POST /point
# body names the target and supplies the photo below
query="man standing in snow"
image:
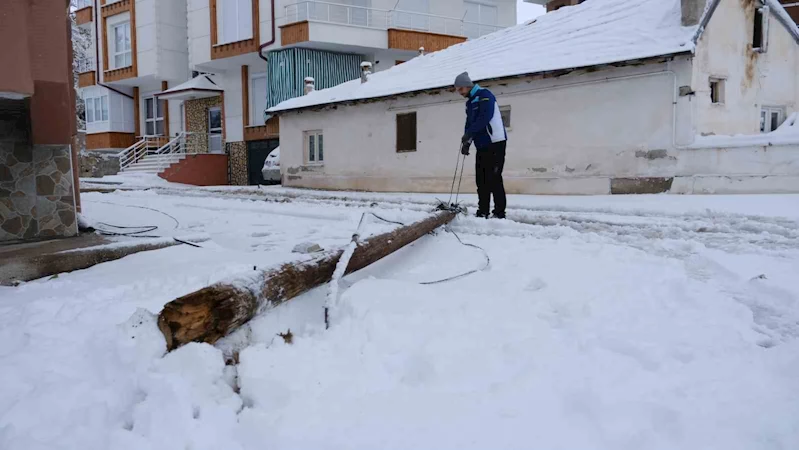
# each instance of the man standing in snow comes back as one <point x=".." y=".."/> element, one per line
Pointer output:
<point x="485" y="129"/>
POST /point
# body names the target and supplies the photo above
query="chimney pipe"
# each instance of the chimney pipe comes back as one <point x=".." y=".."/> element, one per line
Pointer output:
<point x="309" y="85"/>
<point x="692" y="12"/>
<point x="366" y="70"/>
<point x="421" y="51"/>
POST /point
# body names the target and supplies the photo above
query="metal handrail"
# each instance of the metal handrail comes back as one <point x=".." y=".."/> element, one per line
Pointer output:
<point x="132" y="154"/>
<point x="176" y="146"/>
<point x="383" y="19"/>
<point x="431" y="23"/>
<point x="138" y="151"/>
<point x="482" y="29"/>
<point x="314" y="11"/>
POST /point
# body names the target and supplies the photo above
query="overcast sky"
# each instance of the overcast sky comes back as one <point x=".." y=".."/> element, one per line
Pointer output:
<point x="526" y="11"/>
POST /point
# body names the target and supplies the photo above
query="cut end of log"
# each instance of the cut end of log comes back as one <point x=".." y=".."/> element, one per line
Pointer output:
<point x="206" y="315"/>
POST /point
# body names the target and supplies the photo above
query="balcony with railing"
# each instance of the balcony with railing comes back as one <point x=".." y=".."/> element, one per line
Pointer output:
<point x="407" y="30"/>
<point x="86" y="72"/>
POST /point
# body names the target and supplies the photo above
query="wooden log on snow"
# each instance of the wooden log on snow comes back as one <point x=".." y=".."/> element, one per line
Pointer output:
<point x="213" y="312"/>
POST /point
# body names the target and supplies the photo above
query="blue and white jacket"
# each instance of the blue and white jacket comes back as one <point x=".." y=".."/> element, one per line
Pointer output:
<point x="483" y="119"/>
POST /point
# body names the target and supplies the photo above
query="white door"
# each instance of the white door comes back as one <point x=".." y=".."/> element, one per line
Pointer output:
<point x="215" y="130"/>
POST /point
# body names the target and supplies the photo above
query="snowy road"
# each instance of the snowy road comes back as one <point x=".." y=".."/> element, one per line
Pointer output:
<point x="650" y="322"/>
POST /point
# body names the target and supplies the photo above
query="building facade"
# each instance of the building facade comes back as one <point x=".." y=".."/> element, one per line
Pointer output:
<point x="720" y="116"/>
<point x="38" y="177"/>
<point x="256" y="53"/>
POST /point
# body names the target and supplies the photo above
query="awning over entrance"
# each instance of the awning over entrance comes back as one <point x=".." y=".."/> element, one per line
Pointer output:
<point x="198" y="87"/>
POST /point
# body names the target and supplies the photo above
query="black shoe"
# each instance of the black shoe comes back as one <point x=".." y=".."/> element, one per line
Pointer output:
<point x="481" y="215"/>
<point x="497" y="215"/>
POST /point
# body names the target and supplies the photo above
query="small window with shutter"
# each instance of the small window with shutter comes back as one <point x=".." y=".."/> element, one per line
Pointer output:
<point x="406" y="132"/>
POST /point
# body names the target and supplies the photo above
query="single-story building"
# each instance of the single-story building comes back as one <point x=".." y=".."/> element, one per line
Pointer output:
<point x="608" y="96"/>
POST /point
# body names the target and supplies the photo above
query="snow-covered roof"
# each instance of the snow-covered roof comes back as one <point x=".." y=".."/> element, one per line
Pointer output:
<point x="198" y="87"/>
<point x="593" y="33"/>
<point x="596" y="32"/>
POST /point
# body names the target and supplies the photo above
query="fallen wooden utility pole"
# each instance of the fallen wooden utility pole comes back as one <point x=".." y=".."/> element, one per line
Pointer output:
<point x="211" y="313"/>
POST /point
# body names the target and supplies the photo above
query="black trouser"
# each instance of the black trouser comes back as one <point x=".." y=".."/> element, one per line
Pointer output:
<point x="490" y="162"/>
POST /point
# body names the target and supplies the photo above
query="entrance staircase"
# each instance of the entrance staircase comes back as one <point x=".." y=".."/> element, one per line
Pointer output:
<point x="152" y="155"/>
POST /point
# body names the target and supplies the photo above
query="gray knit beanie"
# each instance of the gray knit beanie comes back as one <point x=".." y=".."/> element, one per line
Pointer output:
<point x="463" y="80"/>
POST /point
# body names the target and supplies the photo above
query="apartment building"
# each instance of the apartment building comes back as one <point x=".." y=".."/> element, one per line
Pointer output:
<point x="210" y="68"/>
<point x="139" y="50"/>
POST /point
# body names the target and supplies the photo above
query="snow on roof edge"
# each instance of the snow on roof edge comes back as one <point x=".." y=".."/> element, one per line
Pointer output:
<point x="275" y="109"/>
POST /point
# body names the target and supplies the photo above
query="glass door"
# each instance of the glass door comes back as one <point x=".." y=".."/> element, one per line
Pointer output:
<point x="215" y="130"/>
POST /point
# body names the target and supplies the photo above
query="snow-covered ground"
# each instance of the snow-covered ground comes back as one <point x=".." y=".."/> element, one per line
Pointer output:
<point x="651" y="322"/>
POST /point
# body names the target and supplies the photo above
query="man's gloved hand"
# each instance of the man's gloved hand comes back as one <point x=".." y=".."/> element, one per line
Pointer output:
<point x="466" y="143"/>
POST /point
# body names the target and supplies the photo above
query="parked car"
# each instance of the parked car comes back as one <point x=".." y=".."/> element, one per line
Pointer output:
<point x="271" y="169"/>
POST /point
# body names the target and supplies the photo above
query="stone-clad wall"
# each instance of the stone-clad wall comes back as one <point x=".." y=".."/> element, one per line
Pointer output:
<point x="237" y="159"/>
<point x="197" y="122"/>
<point x="36" y="188"/>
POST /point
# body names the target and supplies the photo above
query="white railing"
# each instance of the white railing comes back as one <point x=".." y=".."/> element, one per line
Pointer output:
<point x="80" y="4"/>
<point x="136" y="152"/>
<point x="383" y="19"/>
<point x="154" y="146"/>
<point x="337" y="13"/>
<point x="426" y="22"/>
<point x="474" y="30"/>
<point x="85" y="65"/>
<point x="175" y="147"/>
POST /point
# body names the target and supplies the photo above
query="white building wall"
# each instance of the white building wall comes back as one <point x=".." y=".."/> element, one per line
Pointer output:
<point x="146" y="38"/>
<point x="234" y="118"/>
<point x="199" y="31"/>
<point x="173" y="52"/>
<point x="752" y="79"/>
<point x="347" y="35"/>
<point x="120" y="112"/>
<point x="568" y="135"/>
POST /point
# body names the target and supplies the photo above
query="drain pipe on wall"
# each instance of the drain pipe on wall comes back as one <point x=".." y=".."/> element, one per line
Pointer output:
<point x="261" y="54"/>
<point x="97" y="52"/>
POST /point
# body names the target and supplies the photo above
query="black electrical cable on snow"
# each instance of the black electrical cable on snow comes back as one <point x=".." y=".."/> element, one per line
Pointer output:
<point x="465" y="244"/>
<point x="177" y="223"/>
<point x="465" y="274"/>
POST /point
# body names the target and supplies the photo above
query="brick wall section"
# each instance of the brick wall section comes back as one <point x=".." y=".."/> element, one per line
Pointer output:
<point x="237" y="160"/>
<point x="197" y="122"/>
<point x="199" y="170"/>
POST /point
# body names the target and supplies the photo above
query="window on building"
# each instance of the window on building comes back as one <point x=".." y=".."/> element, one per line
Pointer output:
<point x="771" y="118"/>
<point x="123" y="56"/>
<point x="234" y="21"/>
<point x="154" y="116"/>
<point x="505" y="112"/>
<point x="717" y="90"/>
<point x="760" y="34"/>
<point x="480" y="19"/>
<point x="315" y="147"/>
<point x="258" y="100"/>
<point x="406" y="132"/>
<point x="96" y="109"/>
